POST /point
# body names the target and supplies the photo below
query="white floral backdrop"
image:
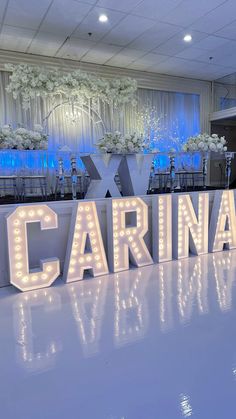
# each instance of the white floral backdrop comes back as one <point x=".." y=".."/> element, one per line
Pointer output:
<point x="169" y="118"/>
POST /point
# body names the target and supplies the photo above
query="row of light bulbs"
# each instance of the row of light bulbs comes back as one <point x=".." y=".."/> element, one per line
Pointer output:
<point x="124" y="241"/>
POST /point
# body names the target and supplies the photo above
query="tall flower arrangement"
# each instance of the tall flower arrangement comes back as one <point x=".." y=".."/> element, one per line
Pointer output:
<point x="22" y="138"/>
<point x="77" y="86"/>
<point x="161" y="133"/>
<point x="121" y="144"/>
<point x="206" y="142"/>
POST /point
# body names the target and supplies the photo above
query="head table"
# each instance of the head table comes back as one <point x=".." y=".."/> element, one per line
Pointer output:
<point x="95" y="174"/>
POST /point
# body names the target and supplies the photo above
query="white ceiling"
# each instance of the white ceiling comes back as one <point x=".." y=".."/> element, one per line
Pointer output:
<point x="142" y="35"/>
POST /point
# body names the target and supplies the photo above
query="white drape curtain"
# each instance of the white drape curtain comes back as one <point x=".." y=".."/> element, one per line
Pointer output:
<point x="178" y="117"/>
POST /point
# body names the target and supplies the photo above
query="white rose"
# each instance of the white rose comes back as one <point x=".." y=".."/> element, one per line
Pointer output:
<point x="18" y="138"/>
<point x="219" y="146"/>
<point x="35" y="136"/>
<point x="27" y="143"/>
<point x="21" y="131"/>
<point x="38" y="128"/>
<point x="6" y="131"/>
<point x="49" y="85"/>
<point x="212" y="147"/>
<point x="225" y="148"/>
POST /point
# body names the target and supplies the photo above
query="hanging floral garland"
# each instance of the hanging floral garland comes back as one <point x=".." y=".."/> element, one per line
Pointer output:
<point x="77" y="86"/>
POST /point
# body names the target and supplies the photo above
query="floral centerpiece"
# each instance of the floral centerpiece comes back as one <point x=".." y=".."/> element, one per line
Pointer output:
<point x="22" y="138"/>
<point x="206" y="142"/>
<point x="121" y="144"/>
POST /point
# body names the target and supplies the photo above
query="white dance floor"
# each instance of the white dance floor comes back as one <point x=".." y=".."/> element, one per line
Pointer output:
<point x="152" y="343"/>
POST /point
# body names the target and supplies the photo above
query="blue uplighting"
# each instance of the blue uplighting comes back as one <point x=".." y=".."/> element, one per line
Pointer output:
<point x="34" y="162"/>
<point x="170" y="138"/>
<point x="173" y="136"/>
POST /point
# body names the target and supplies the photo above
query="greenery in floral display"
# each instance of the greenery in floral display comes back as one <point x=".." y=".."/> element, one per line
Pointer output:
<point x="22" y="138"/>
<point x="121" y="144"/>
<point x="77" y="86"/>
<point x="206" y="142"/>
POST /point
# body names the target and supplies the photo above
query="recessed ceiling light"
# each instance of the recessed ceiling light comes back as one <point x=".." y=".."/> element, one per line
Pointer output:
<point x="103" y="18"/>
<point x="187" y="38"/>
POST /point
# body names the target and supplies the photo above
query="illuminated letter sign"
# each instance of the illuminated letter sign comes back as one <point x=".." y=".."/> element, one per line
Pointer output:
<point x="128" y="222"/>
<point x="162" y="228"/>
<point x="223" y="222"/>
<point x="186" y="221"/>
<point x="17" y="221"/>
<point x="85" y="249"/>
<point x="139" y="231"/>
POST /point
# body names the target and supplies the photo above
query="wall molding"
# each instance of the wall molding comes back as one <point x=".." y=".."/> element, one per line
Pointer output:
<point x="225" y="113"/>
<point x="144" y="79"/>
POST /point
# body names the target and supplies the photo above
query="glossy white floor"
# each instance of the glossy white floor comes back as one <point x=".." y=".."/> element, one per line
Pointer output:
<point x="151" y="343"/>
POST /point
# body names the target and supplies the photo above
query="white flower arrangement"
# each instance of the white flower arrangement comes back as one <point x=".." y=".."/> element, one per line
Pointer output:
<point x="77" y="86"/>
<point x="23" y="139"/>
<point x="121" y="144"/>
<point x="206" y="142"/>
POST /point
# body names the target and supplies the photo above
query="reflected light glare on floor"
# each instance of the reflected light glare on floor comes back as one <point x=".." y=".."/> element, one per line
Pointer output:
<point x="185" y="405"/>
<point x="148" y="343"/>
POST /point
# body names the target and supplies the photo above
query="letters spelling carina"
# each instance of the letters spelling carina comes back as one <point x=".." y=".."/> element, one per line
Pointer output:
<point x="179" y="225"/>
